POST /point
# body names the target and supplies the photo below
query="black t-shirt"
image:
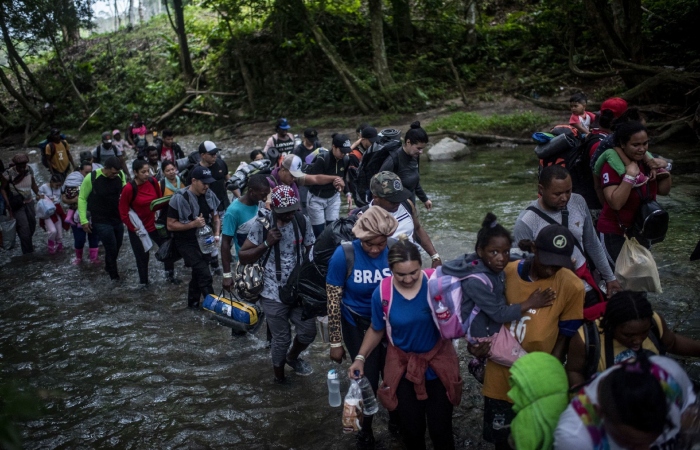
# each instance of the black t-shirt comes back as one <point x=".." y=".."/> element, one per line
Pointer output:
<point x="219" y="170"/>
<point x="190" y="234"/>
<point x="326" y="164"/>
<point x="406" y="167"/>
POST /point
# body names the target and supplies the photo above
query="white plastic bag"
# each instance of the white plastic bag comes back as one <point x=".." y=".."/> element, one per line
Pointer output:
<point x="635" y="268"/>
<point x="8" y="229"/>
<point x="45" y="208"/>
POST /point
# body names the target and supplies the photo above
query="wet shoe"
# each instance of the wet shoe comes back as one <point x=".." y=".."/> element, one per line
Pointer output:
<point x="364" y="440"/>
<point x="662" y="174"/>
<point x="193" y="305"/>
<point x="300" y="367"/>
<point x="173" y="280"/>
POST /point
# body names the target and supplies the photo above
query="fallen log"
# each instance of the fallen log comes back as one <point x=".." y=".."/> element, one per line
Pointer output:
<point x="204" y="113"/>
<point x="194" y="92"/>
<point x="174" y="109"/>
<point x="478" y="138"/>
<point x="673" y="130"/>
<point x="89" y="117"/>
<point x="659" y="79"/>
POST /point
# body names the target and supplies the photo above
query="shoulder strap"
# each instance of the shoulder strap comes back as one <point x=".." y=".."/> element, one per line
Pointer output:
<point x="609" y="352"/>
<point x="93" y="176"/>
<point x="386" y="289"/>
<point x="162" y="185"/>
<point x="410" y="206"/>
<point x="655" y="337"/>
<point x="271" y="178"/>
<point x="53" y="149"/>
<point x="134" y="191"/>
<point x="591" y="342"/>
<point x="98" y="154"/>
<point x="349" y="257"/>
<point x="565" y="223"/>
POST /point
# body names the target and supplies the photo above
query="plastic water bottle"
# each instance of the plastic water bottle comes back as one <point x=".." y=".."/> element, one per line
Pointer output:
<point x="369" y="401"/>
<point x="352" y="409"/>
<point x="333" y="389"/>
<point x="442" y="312"/>
<point x="205" y="238"/>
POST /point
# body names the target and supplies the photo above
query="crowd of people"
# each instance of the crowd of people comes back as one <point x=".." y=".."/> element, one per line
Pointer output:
<point x="593" y="374"/>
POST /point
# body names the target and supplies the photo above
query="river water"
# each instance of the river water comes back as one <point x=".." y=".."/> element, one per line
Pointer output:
<point x="117" y="367"/>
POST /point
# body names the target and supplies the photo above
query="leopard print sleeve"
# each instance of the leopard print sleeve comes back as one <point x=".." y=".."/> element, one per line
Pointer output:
<point x="334" y="294"/>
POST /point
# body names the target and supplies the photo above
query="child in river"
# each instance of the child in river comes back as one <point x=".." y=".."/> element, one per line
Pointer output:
<point x="54" y="224"/>
<point x="484" y="309"/>
<point x="580" y="118"/>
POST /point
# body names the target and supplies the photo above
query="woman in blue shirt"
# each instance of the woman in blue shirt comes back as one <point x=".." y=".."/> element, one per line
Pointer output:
<point x="349" y="291"/>
<point x="421" y="378"/>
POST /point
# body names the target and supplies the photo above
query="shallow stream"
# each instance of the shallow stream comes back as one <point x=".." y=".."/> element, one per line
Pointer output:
<point x="117" y="367"/>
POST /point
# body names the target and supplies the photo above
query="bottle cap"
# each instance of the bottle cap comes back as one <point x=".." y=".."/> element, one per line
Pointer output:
<point x="332" y="374"/>
<point x="357" y="373"/>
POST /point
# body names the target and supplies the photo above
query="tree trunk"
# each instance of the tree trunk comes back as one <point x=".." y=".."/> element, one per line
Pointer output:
<point x="245" y="72"/>
<point x="141" y="12"/>
<point x="605" y="28"/>
<point x="470" y="17"/>
<point x="627" y="15"/>
<point x="381" y="66"/>
<point x="129" y="13"/>
<point x="17" y="96"/>
<point x="401" y="11"/>
<point x="185" y="61"/>
<point x="78" y="95"/>
<point x="116" y="16"/>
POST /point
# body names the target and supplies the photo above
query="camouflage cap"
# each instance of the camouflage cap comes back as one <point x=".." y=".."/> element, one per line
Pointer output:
<point x="388" y="185"/>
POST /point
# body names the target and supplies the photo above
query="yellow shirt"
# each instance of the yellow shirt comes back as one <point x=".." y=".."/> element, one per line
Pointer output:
<point x="620" y="352"/>
<point x="537" y="330"/>
<point x="59" y="161"/>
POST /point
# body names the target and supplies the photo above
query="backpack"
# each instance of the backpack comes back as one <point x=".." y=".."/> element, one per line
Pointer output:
<point x="312" y="284"/>
<point x="239" y="180"/>
<point x="369" y="166"/>
<point x="135" y="188"/>
<point x="445" y="291"/>
<point x="651" y="220"/>
<point x="386" y="289"/>
<point x="592" y="344"/>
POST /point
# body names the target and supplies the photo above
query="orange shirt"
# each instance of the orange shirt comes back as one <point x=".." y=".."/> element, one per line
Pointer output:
<point x="536" y="330"/>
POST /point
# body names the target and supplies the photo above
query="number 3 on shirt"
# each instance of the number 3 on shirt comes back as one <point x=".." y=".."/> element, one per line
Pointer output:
<point x="606" y="178"/>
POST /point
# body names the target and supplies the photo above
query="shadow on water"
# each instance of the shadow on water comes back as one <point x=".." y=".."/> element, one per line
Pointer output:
<point x="118" y="367"/>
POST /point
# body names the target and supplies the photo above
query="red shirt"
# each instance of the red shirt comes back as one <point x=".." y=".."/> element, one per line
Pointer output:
<point x="167" y="154"/>
<point x="609" y="223"/>
<point x="141" y="205"/>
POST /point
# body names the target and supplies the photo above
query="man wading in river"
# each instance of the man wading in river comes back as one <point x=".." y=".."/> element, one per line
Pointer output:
<point x="190" y="209"/>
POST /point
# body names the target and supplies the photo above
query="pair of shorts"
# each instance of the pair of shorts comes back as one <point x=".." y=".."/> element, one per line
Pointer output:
<point x="498" y="414"/>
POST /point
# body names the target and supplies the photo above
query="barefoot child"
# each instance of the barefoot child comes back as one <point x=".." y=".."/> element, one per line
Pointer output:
<point x="580" y="118"/>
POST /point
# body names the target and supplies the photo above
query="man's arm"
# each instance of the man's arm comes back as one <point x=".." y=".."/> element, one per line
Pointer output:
<point x="423" y="237"/>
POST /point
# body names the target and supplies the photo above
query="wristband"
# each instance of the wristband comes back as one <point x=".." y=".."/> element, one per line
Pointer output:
<point x="668" y="167"/>
<point x="228" y="275"/>
<point x="629" y="179"/>
<point x="336" y="344"/>
<point x="435" y="257"/>
<point x="265" y="242"/>
<point x="360" y="358"/>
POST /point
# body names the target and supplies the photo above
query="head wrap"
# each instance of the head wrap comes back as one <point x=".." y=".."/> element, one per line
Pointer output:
<point x="374" y="222"/>
<point x="539" y="390"/>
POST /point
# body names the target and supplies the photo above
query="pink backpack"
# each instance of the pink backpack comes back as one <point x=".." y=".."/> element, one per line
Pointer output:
<point x="386" y="290"/>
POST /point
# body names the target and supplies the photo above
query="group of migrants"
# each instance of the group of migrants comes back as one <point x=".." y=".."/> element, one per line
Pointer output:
<point x="568" y="358"/>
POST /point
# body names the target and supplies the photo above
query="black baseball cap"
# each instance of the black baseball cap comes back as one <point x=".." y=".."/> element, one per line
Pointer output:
<point x="555" y="245"/>
<point x="310" y="133"/>
<point x="342" y="142"/>
<point x="202" y="174"/>
<point x="370" y="133"/>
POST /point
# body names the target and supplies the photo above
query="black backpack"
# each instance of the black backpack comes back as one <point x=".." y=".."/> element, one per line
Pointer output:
<point x="369" y="166"/>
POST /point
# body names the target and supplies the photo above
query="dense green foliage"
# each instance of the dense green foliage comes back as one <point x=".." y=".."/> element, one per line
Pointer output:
<point x="506" y="124"/>
<point x="516" y="47"/>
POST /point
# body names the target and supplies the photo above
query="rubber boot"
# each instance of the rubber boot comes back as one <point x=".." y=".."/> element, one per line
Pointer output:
<point x="59" y="246"/>
<point x="52" y="247"/>
<point x="93" y="255"/>
<point x="170" y="277"/>
<point x="279" y="374"/>
<point x="78" y="256"/>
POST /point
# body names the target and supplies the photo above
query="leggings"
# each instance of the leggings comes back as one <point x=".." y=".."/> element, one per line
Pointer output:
<point x="54" y="230"/>
<point x="80" y="236"/>
<point x="436" y="410"/>
<point x="142" y="256"/>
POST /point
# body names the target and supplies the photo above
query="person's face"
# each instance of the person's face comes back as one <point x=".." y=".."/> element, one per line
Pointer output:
<point x="117" y="137"/>
<point x="337" y="153"/>
<point x="365" y="143"/>
<point x="416" y="149"/>
<point x="135" y="117"/>
<point x="626" y="436"/>
<point x="170" y="172"/>
<point x="142" y="174"/>
<point x="208" y="159"/>
<point x="21" y="167"/>
<point x="374" y="247"/>
<point x="110" y="173"/>
<point x="407" y="273"/>
<point x="168" y="141"/>
<point x="543" y="271"/>
<point x="86" y="169"/>
<point x="631" y="334"/>
<point x="107" y="142"/>
<point x="199" y="187"/>
<point x="286" y="176"/>
<point x="637" y="146"/>
<point x="281" y="133"/>
<point x="56" y="184"/>
<point x="386" y="204"/>
<point x="496" y="254"/>
<point x="577" y="108"/>
<point x="56" y="138"/>
<point x="153" y="157"/>
<point x="285" y="217"/>
<point x="556" y="196"/>
<point x="259" y="195"/>
<point x="258" y="157"/>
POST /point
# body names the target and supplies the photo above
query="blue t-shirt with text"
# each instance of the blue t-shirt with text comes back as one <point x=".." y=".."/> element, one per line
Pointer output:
<point x="365" y="277"/>
<point x="236" y="222"/>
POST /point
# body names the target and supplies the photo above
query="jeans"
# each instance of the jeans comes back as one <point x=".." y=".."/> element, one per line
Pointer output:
<point x="436" y="410"/>
<point x="142" y="256"/>
<point x="112" y="236"/>
<point x="80" y="236"/>
<point x="26" y="226"/>
<point x="279" y="316"/>
<point x="201" y="282"/>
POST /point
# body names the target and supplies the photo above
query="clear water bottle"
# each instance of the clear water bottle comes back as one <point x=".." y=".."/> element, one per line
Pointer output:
<point x="205" y="238"/>
<point x="369" y="401"/>
<point x="442" y="312"/>
<point x="333" y="389"/>
<point x="352" y="409"/>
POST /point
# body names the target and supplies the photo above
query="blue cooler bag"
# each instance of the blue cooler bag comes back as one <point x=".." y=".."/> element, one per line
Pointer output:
<point x="234" y="313"/>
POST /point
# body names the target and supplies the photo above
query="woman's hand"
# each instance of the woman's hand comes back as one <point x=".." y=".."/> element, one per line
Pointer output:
<point x="632" y="169"/>
<point x="359" y="366"/>
<point x="428" y="205"/>
<point x="337" y="354"/>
